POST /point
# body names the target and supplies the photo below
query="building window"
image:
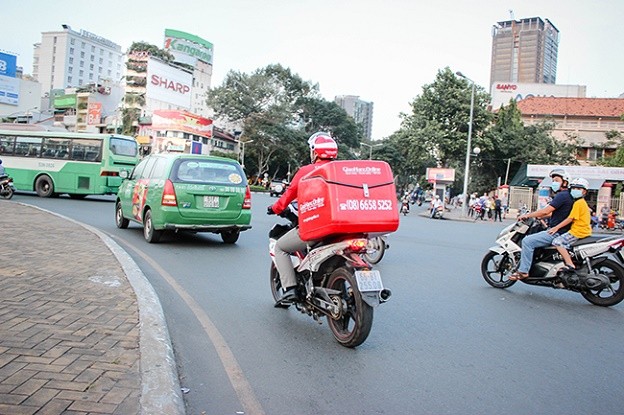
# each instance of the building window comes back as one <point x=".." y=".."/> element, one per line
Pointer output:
<point x="91" y="76"/>
<point x="595" y="153"/>
<point x="101" y="61"/>
<point x="69" y="80"/>
<point x="71" y="60"/>
<point x="72" y="41"/>
<point x="92" y="49"/>
<point x="81" y="73"/>
<point x="92" y="58"/>
<point x="55" y="40"/>
<point x="82" y="55"/>
<point x="83" y="45"/>
<point x="70" y="69"/>
<point x="91" y="67"/>
<point x="71" y="51"/>
<point x="82" y="64"/>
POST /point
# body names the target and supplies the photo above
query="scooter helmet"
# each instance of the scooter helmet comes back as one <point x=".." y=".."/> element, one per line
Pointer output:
<point x="322" y="146"/>
<point x="579" y="183"/>
<point x="561" y="173"/>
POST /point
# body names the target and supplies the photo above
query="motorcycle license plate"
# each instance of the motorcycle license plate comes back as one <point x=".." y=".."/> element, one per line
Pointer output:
<point x="369" y="280"/>
<point x="211" y="201"/>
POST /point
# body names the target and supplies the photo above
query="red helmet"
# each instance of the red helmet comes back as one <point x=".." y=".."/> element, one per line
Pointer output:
<point x="323" y="146"/>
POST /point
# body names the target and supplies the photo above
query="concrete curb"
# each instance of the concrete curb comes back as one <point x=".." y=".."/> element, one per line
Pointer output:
<point x="161" y="393"/>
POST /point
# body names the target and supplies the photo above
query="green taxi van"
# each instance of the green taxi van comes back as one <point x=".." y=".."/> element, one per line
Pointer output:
<point x="185" y="192"/>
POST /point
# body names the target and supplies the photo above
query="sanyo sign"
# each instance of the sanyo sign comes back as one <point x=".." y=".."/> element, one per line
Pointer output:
<point x="502" y="92"/>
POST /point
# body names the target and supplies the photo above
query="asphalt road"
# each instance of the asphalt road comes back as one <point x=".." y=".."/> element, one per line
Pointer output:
<point x="446" y="343"/>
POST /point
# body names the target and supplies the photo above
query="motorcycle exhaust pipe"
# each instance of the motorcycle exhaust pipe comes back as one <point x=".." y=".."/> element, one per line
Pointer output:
<point x="384" y="295"/>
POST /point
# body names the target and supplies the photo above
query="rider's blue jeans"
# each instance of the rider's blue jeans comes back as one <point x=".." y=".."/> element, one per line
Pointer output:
<point x="529" y="244"/>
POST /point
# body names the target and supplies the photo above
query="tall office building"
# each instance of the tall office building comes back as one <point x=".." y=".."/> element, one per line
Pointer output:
<point x="524" y="51"/>
<point x="360" y="111"/>
<point x="67" y="58"/>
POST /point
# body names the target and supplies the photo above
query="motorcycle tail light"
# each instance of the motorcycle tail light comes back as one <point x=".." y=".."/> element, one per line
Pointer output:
<point x="358" y="245"/>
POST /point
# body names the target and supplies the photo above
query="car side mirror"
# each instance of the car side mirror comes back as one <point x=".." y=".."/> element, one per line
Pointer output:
<point x="124" y="174"/>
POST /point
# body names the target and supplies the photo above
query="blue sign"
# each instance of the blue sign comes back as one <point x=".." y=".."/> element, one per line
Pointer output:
<point x="8" y="65"/>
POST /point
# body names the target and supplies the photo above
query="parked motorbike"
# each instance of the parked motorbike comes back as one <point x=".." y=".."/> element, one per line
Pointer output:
<point x="6" y="187"/>
<point x="375" y="249"/>
<point x="333" y="281"/>
<point x="598" y="277"/>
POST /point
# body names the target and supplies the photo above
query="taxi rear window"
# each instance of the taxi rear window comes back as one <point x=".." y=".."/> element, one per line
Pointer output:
<point x="207" y="172"/>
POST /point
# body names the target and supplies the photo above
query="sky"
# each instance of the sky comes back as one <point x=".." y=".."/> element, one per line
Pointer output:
<point x="383" y="51"/>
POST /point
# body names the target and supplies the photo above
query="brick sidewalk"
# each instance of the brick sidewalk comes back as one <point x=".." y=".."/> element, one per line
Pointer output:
<point x="69" y="321"/>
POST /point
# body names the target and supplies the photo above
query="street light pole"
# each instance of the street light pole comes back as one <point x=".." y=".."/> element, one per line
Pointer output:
<point x="370" y="146"/>
<point x="468" y="144"/>
<point x="243" y="152"/>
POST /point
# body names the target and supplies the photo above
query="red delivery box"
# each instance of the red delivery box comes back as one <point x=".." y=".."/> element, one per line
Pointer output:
<point x="350" y="196"/>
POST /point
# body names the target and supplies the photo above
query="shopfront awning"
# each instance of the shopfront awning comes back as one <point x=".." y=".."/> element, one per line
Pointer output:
<point x="143" y="139"/>
<point x="594" y="184"/>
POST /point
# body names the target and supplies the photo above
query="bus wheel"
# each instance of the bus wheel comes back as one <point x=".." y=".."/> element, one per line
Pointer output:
<point x="44" y="186"/>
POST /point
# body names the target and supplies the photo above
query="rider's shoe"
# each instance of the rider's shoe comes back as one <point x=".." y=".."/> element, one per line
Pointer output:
<point x="287" y="298"/>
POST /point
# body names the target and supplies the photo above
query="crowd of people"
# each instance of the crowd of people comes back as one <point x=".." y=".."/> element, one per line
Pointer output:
<point x="486" y="207"/>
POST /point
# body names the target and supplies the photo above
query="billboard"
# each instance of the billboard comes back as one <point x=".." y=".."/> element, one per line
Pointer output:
<point x="9" y="84"/>
<point x="168" y="84"/>
<point x="188" y="48"/>
<point x="502" y="92"/>
<point x="94" y="113"/>
<point x="181" y="121"/>
<point x="8" y="65"/>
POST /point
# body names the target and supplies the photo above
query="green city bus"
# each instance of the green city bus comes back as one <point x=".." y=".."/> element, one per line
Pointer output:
<point x="55" y="162"/>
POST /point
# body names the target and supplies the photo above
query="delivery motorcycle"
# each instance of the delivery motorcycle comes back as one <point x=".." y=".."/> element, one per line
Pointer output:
<point x="333" y="281"/>
<point x="6" y="187"/>
<point x="598" y="277"/>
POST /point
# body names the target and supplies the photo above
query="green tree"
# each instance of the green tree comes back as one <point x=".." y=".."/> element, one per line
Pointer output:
<point x="617" y="159"/>
<point x="277" y="110"/>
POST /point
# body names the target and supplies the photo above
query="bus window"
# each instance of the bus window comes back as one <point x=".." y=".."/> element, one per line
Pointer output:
<point x="28" y="146"/>
<point x="87" y="150"/>
<point x="121" y="147"/>
<point x="56" y="148"/>
<point x="7" y="144"/>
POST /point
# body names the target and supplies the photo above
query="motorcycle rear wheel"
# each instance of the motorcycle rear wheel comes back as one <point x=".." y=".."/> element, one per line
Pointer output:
<point x="497" y="268"/>
<point x="375" y="250"/>
<point x="276" y="285"/>
<point x="613" y="295"/>
<point x="354" y="321"/>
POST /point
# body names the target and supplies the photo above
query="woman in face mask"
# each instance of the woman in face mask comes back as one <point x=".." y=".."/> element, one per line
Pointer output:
<point x="557" y="211"/>
<point x="580" y="218"/>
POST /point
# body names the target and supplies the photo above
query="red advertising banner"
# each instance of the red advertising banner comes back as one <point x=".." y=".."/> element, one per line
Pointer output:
<point x="181" y="121"/>
<point x="94" y="113"/>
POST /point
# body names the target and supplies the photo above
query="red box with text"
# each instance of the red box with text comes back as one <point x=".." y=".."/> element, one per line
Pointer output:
<point x="351" y="196"/>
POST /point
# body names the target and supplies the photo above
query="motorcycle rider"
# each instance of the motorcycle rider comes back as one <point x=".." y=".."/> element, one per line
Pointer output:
<point x="323" y="149"/>
<point x="580" y="218"/>
<point x="558" y="209"/>
<point x="436" y="204"/>
<point x="405" y="201"/>
<point x="2" y="172"/>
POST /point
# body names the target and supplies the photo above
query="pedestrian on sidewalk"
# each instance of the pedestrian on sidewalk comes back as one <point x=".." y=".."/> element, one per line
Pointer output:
<point x="498" y="209"/>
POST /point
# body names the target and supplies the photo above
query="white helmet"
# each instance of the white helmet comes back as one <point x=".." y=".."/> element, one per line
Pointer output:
<point x="579" y="183"/>
<point x="561" y="173"/>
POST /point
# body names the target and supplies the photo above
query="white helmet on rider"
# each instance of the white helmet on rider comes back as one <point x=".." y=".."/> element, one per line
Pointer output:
<point x="579" y="183"/>
<point x="561" y="173"/>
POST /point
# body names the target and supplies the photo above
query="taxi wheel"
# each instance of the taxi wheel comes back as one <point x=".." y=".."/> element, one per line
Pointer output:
<point x="151" y="235"/>
<point x="230" y="237"/>
<point x="120" y="221"/>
